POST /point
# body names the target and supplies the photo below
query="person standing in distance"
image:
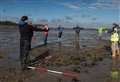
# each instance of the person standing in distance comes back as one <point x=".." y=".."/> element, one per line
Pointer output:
<point x="46" y="34"/>
<point x="60" y="32"/>
<point x="114" y="41"/>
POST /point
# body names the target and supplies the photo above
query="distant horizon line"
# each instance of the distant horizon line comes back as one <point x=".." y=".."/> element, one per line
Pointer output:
<point x="66" y="26"/>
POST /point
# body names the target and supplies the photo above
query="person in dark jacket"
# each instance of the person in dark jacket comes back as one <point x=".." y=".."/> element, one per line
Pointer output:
<point x="60" y="32"/>
<point x="26" y="33"/>
<point x="77" y="30"/>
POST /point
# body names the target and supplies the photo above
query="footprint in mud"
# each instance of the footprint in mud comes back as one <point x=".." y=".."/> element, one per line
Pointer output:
<point x="24" y="76"/>
<point x="1" y="57"/>
<point x="3" y="54"/>
<point x="86" y="71"/>
<point x="20" y="80"/>
<point x="59" y="79"/>
<point x="75" y="80"/>
<point x="89" y="63"/>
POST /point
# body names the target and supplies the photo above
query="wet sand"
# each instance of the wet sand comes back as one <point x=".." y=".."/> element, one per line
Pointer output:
<point x="90" y="58"/>
<point x="92" y="63"/>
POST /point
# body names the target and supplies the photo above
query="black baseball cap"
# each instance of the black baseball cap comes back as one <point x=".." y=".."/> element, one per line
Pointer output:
<point x="24" y="18"/>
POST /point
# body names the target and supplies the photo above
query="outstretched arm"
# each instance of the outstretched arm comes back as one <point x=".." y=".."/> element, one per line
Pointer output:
<point x="36" y="28"/>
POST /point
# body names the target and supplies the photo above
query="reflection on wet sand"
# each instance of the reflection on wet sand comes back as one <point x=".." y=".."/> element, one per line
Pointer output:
<point x="77" y="42"/>
<point x="60" y="48"/>
<point x="115" y="70"/>
<point x="65" y="55"/>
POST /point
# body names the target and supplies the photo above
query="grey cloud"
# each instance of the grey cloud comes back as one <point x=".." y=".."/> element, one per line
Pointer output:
<point x="72" y="16"/>
<point x="63" y="22"/>
<point x="94" y="19"/>
<point x="84" y="15"/>
<point x="68" y="18"/>
<point x="57" y="20"/>
<point x="42" y="21"/>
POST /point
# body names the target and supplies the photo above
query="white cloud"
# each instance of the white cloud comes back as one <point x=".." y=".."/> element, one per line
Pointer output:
<point x="71" y="5"/>
<point x="105" y="4"/>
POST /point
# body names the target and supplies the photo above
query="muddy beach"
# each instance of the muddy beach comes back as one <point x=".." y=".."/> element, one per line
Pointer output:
<point x="88" y="56"/>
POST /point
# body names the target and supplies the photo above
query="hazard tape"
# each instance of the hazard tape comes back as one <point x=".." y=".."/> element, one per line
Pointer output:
<point x="67" y="73"/>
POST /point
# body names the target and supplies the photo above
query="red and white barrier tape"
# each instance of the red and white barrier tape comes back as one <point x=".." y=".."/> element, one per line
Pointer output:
<point x="69" y="74"/>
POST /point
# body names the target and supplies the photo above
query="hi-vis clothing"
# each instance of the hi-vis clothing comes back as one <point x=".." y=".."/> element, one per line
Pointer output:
<point x="100" y="30"/>
<point x="114" y="37"/>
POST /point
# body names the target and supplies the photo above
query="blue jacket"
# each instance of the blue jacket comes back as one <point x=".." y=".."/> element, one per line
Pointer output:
<point x="60" y="29"/>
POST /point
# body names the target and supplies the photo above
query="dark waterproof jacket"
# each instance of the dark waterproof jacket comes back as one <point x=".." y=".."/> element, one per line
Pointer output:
<point x="26" y="31"/>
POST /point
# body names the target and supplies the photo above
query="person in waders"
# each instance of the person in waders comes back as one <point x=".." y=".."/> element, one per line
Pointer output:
<point x="46" y="33"/>
<point x="60" y="32"/>
<point x="114" y="41"/>
<point x="77" y="31"/>
<point x="26" y="33"/>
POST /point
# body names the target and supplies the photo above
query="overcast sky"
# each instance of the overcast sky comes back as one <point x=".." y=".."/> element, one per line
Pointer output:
<point x="87" y="13"/>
